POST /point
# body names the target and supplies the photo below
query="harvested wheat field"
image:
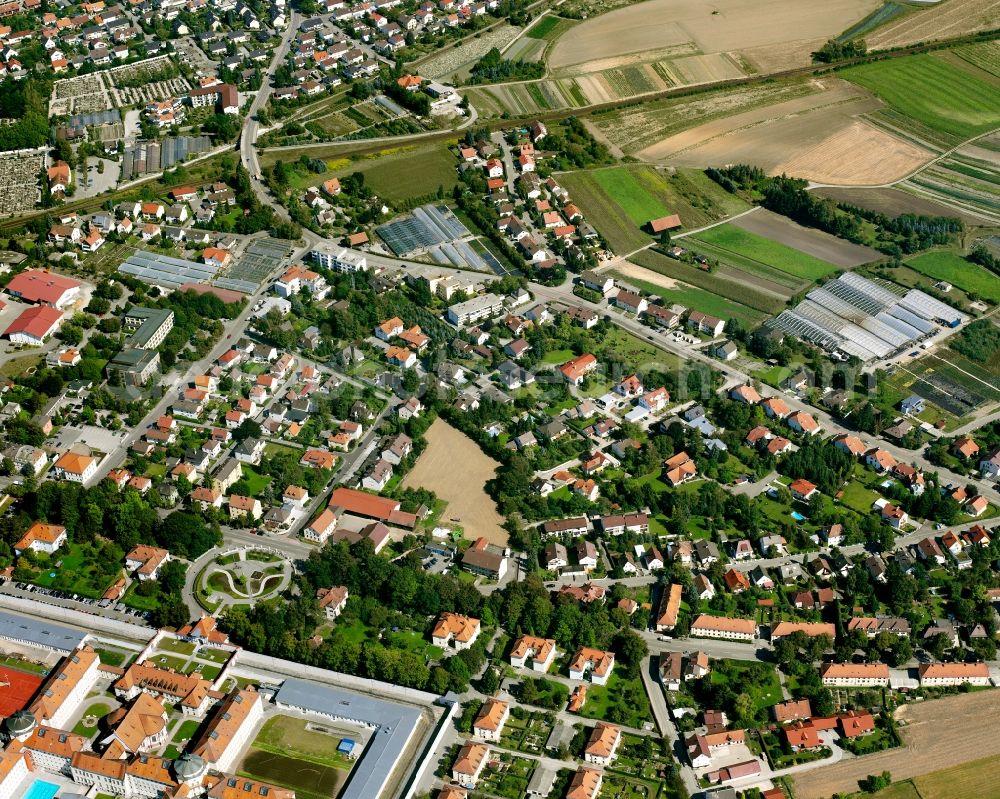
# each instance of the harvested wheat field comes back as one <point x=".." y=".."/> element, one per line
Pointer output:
<point x="819" y="137"/>
<point x="953" y="731"/>
<point x="454" y="468"/>
<point x="717" y="27"/>
<point x="857" y="152"/>
<point x="947" y="19"/>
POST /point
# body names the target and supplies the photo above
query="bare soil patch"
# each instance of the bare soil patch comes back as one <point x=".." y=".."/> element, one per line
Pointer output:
<point x="953" y="730"/>
<point x="948" y="19"/>
<point x="456" y="469"/>
<point x="714" y="27"/>
<point x="808" y="240"/>
<point x="893" y="202"/>
<point x="819" y="137"/>
<point x="854" y="153"/>
<point x="628" y="269"/>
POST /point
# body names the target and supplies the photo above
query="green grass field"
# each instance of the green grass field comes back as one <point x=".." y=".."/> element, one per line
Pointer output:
<point x="619" y="200"/>
<point x="773" y="253"/>
<point x="970" y="277"/>
<point x="635" y="199"/>
<point x="949" y="100"/>
<point x="544" y="27"/>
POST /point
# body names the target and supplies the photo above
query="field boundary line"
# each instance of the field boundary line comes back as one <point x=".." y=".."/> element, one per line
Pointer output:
<point x="914" y="173"/>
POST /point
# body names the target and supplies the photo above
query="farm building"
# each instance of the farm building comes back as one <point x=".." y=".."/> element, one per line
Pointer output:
<point x="855" y="316"/>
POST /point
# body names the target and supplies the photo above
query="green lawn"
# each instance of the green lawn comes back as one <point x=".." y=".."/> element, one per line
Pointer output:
<point x="186" y="731"/>
<point x="948" y="266"/>
<point x="135" y="600"/>
<point x="859" y="498"/>
<point x="773" y="253"/>
<point x="112" y="657"/>
<point x="256" y="482"/>
<point x="168" y="662"/>
<point x="289" y="736"/>
<point x="621" y="701"/>
<point x="949" y="99"/>
<point x="176" y="646"/>
<point x="543" y="27"/>
<point x="274" y="449"/>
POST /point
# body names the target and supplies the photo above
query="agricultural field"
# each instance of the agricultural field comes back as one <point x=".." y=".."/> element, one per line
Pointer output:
<point x="734" y="239"/>
<point x="938" y="21"/>
<point x="674" y="282"/>
<point x="968" y="180"/>
<point x="827" y="248"/>
<point x="948" y="266"/>
<point x="617" y="201"/>
<point x="735" y="28"/>
<point x="958" y="729"/>
<point x="816" y="133"/>
<point x="984" y="56"/>
<point x="636" y="128"/>
<point x="952" y="104"/>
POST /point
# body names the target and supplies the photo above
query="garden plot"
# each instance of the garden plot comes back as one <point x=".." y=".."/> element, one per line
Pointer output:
<point x="968" y="180"/>
<point x="19" y="172"/>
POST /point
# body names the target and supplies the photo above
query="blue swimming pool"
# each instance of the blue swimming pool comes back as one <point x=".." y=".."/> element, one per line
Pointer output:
<point x="42" y="790"/>
<point x="798" y="516"/>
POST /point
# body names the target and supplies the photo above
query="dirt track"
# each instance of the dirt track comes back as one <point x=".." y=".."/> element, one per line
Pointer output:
<point x="455" y="469"/>
<point x="939" y="733"/>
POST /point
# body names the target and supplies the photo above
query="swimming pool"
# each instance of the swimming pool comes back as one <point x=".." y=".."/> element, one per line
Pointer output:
<point x="42" y="790"/>
<point x="798" y="516"/>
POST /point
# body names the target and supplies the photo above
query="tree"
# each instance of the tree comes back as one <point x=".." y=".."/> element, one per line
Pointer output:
<point x="631" y="649"/>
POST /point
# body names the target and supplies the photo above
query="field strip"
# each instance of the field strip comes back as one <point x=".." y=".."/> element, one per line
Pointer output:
<point x="986" y="383"/>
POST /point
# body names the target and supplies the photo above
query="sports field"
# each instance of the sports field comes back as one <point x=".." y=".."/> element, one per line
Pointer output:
<point x="948" y="266"/>
<point x="950" y="100"/>
<point x="773" y="253"/>
<point x="20" y="687"/>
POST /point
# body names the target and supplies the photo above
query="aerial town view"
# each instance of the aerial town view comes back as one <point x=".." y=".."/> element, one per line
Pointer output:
<point x="499" y="399"/>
